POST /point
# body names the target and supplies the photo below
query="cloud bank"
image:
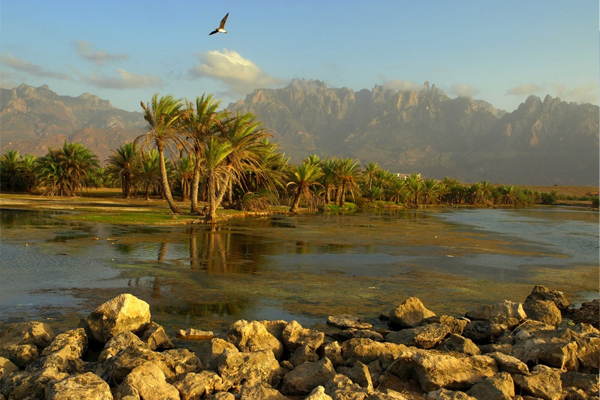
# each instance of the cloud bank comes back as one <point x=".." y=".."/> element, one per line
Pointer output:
<point x="525" y="89"/>
<point x="86" y="51"/>
<point x="126" y="80"/>
<point x="582" y="94"/>
<point x="21" y="65"/>
<point x="463" y="90"/>
<point x="240" y="75"/>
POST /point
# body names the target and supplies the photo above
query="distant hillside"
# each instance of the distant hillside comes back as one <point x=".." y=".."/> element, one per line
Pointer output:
<point x="34" y="119"/>
<point x="542" y="142"/>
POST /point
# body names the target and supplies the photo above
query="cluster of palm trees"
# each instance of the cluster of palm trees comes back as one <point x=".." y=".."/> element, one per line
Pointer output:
<point x="214" y="157"/>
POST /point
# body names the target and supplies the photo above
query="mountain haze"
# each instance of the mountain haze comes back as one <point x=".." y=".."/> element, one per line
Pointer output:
<point x="542" y="142"/>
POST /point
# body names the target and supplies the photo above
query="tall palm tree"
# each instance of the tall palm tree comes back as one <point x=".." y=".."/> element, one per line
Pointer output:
<point x="28" y="171"/>
<point x="347" y="172"/>
<point x="201" y="120"/>
<point x="148" y="177"/>
<point x="398" y="191"/>
<point x="370" y="171"/>
<point x="302" y="178"/>
<point x="66" y="170"/>
<point x="217" y="173"/>
<point x="11" y="175"/>
<point x="328" y="179"/>
<point x="415" y="186"/>
<point x="163" y="115"/>
<point x="123" y="163"/>
<point x="430" y="190"/>
<point x="184" y="169"/>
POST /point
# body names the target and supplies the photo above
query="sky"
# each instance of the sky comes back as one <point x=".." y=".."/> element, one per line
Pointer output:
<point x="125" y="51"/>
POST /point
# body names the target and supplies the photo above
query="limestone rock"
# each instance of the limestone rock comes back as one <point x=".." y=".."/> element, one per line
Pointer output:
<point x="544" y="311"/>
<point x="497" y="387"/>
<point x="260" y="391"/>
<point x="460" y="344"/>
<point x="424" y="337"/>
<point x="116" y="368"/>
<point x="64" y="353"/>
<point x="540" y="292"/>
<point x="120" y="342"/>
<point x="195" y="334"/>
<point x="495" y="347"/>
<point x="21" y="354"/>
<point x="253" y="336"/>
<point x="553" y="348"/>
<point x="410" y="313"/>
<point x="352" y="333"/>
<point x="210" y="352"/>
<point x="156" y="338"/>
<point x="367" y="350"/>
<point x="504" y="312"/>
<point x="456" y="325"/>
<point x="483" y="332"/>
<point x="304" y="378"/>
<point x="252" y="368"/>
<point x="333" y="351"/>
<point x="275" y="328"/>
<point x="386" y="394"/>
<point x="510" y="364"/>
<point x="588" y="352"/>
<point x="318" y="393"/>
<point x="445" y="394"/>
<point x="180" y="362"/>
<point x="528" y="328"/>
<point x="196" y="386"/>
<point x="148" y="382"/>
<point x="222" y="396"/>
<point x="39" y="334"/>
<point x="294" y="336"/>
<point x="22" y="385"/>
<point x="342" y="388"/>
<point x="346" y="321"/>
<point x="123" y="313"/>
<point x="303" y="354"/>
<point x="544" y="382"/>
<point x="80" y="386"/>
<point x="7" y="367"/>
<point x="588" y="383"/>
<point x="361" y="375"/>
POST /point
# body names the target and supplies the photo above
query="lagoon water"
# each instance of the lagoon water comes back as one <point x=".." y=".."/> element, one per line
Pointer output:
<point x="301" y="267"/>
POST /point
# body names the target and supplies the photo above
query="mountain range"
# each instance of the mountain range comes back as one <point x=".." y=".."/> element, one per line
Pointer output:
<point x="542" y="142"/>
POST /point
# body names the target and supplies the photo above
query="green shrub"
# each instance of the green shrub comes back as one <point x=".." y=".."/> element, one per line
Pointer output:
<point x="548" y="198"/>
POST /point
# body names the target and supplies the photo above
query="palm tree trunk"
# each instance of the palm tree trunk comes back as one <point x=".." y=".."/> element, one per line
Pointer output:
<point x="195" y="209"/>
<point x="343" y="194"/>
<point x="165" y="182"/>
<point x="296" y="202"/>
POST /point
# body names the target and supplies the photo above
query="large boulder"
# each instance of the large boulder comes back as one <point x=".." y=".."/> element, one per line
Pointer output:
<point x="505" y="312"/>
<point x="253" y="336"/>
<point x="22" y="385"/>
<point x="304" y="378"/>
<point x="456" y="325"/>
<point x="543" y="382"/>
<point x="7" y="367"/>
<point x="156" y="338"/>
<point x="410" y="313"/>
<point x="39" y="334"/>
<point x="459" y="344"/>
<point x="148" y="382"/>
<point x="196" y="386"/>
<point x="120" y="342"/>
<point x="540" y="292"/>
<point x="294" y="336"/>
<point x="588" y="383"/>
<point x="64" y="353"/>
<point x="80" y="386"/>
<point x="544" y="311"/>
<point x="252" y="368"/>
<point x="367" y="351"/>
<point x="303" y="354"/>
<point x="20" y="354"/>
<point x="116" y="368"/>
<point x="209" y="352"/>
<point x="555" y="348"/>
<point x="497" y="387"/>
<point x="123" y="313"/>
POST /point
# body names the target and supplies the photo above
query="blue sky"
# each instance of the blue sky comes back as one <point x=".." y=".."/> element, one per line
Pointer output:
<point x="124" y="51"/>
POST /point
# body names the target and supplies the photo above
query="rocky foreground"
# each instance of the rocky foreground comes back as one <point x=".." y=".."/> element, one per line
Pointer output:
<point x="505" y="350"/>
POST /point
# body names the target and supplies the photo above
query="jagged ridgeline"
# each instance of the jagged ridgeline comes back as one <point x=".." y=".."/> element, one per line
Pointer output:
<point x="541" y="142"/>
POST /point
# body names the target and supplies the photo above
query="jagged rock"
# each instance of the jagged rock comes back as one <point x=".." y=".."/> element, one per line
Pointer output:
<point x="584" y="329"/>
<point x="118" y="343"/>
<point x="318" y="393"/>
<point x="573" y="394"/>
<point x="222" y="396"/>
<point x="80" y="386"/>
<point x="180" y="362"/>
<point x="346" y="321"/>
<point x="210" y="352"/>
<point x="156" y="338"/>
<point x="588" y="383"/>
<point x="294" y="336"/>
<point x="255" y="367"/>
<point x="260" y="391"/>
<point x="410" y="313"/>
<point x="333" y="351"/>
<point x="438" y="370"/>
<point x="148" y="382"/>
<point x="510" y="364"/>
<point x="253" y="336"/>
<point x="528" y="328"/>
<point x="553" y="348"/>
<point x="505" y="312"/>
<point x="495" y="347"/>
<point x="275" y="328"/>
<point x="483" y="332"/>
<point x="588" y="352"/>
<point x="540" y="292"/>
<point x="21" y="355"/>
<point x="445" y="394"/>
<point x="544" y="382"/>
<point x="376" y="370"/>
<point x="459" y="344"/>
<point x="424" y="337"/>
<point x="342" y="388"/>
<point x="7" y="367"/>
<point x="386" y="394"/>
<point x="589" y="313"/>
<point x="352" y="333"/>
<point x="544" y="311"/>
<point x="303" y="354"/>
<point x="367" y="350"/>
<point x="39" y="334"/>
<point x="304" y="378"/>
<point x="456" y="325"/>
<point x="64" y="353"/>
<point x="497" y="387"/>
<point x="22" y="385"/>
<point x="116" y="368"/>
<point x="361" y="375"/>
<point x="195" y="386"/>
<point x="123" y="313"/>
<point x="195" y="334"/>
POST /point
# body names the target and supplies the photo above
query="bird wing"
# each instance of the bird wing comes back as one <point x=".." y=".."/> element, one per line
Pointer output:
<point x="213" y="32"/>
<point x="223" y="21"/>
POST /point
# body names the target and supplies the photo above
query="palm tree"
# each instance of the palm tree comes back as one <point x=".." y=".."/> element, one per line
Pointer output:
<point x="184" y="169"/>
<point x="415" y="187"/>
<point x="28" y="171"/>
<point x="66" y="170"/>
<point x="370" y="171"/>
<point x="430" y="190"/>
<point x="302" y="178"/>
<point x="201" y="120"/>
<point x="11" y="175"/>
<point x="217" y="173"/>
<point x="347" y="173"/>
<point x="148" y="177"/>
<point x="328" y="168"/>
<point x="163" y="115"/>
<point x="123" y="163"/>
<point x="398" y="191"/>
<point x="486" y="191"/>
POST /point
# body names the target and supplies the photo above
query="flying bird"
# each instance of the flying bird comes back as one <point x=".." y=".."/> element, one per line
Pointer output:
<point x="221" y="27"/>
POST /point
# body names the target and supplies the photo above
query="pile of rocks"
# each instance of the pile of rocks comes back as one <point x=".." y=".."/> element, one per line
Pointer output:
<point x="505" y="350"/>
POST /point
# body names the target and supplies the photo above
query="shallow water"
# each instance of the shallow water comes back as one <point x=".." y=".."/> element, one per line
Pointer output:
<point x="294" y="267"/>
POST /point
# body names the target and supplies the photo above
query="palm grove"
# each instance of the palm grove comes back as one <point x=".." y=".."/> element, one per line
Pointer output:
<point x="210" y="157"/>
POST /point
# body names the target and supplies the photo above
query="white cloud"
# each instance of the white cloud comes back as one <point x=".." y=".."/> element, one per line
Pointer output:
<point x="86" y="51"/>
<point x="126" y="80"/>
<point x="463" y="90"/>
<point x="242" y="76"/>
<point x="525" y="89"/>
<point x="402" y="85"/>
<point x="582" y="94"/>
<point x="30" y="68"/>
